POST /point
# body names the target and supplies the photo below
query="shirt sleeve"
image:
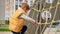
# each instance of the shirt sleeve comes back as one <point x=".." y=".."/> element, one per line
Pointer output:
<point x="27" y="18"/>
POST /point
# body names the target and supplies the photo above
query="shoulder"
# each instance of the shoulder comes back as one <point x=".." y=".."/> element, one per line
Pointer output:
<point x="21" y="10"/>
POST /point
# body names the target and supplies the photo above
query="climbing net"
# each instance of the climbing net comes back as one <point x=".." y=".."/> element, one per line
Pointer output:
<point x="40" y="6"/>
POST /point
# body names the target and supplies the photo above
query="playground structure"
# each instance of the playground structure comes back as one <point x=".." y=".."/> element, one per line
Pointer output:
<point x="40" y="6"/>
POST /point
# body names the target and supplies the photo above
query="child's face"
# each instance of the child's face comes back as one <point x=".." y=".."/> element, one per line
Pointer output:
<point x="25" y="10"/>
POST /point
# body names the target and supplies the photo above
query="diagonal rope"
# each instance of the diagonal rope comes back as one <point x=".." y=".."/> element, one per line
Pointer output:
<point x="59" y="24"/>
<point x="46" y="19"/>
<point x="57" y="28"/>
<point x="53" y="18"/>
<point x="55" y="12"/>
<point x="30" y="11"/>
<point x="32" y="14"/>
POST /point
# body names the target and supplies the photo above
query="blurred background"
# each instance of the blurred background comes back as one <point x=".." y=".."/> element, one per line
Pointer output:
<point x="8" y="7"/>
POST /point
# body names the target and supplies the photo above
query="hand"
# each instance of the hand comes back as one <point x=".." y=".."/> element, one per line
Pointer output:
<point x="36" y="23"/>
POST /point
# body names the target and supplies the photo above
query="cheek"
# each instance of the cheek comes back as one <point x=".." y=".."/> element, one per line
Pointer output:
<point x="26" y="10"/>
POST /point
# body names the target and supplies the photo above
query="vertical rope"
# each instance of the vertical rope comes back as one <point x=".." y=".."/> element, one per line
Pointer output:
<point x="46" y="19"/>
<point x="41" y="6"/>
<point x="44" y="4"/>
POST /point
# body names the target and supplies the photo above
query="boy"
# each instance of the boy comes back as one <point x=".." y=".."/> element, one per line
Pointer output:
<point x="18" y="20"/>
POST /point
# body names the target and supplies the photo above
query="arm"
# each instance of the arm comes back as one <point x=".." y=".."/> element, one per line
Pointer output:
<point x="27" y="18"/>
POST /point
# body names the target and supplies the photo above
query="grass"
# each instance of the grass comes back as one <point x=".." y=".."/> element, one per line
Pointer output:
<point x="3" y="24"/>
<point x="7" y="30"/>
<point x="58" y="30"/>
<point x="4" y="30"/>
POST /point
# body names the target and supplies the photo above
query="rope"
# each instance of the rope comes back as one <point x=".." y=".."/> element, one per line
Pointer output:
<point x="32" y="14"/>
<point x="46" y="17"/>
<point x="40" y="17"/>
<point x="55" y="12"/>
<point x="57" y="28"/>
<point x="53" y="18"/>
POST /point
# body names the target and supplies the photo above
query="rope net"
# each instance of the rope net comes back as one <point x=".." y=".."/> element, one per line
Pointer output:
<point x="40" y="6"/>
